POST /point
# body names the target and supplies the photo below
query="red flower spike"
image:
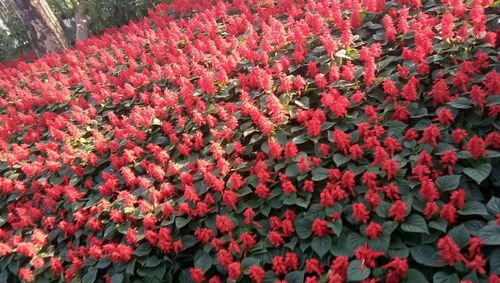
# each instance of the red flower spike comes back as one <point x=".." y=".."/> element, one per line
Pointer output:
<point x="449" y="251"/>
<point x="398" y="210"/>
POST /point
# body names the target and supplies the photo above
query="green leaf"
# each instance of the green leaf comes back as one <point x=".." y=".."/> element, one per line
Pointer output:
<point x="123" y="227"/>
<point x="188" y="241"/>
<point x="493" y="206"/>
<point x="415" y="224"/>
<point x="490" y="234"/>
<point x="460" y="103"/>
<point x="355" y="240"/>
<point x="292" y="170"/>
<point x="143" y="249"/>
<point x="478" y="173"/>
<point x="303" y="227"/>
<point x="319" y="174"/>
<point x="321" y="245"/>
<point x="473" y="208"/>
<point x="381" y="243"/>
<point x="443" y="277"/>
<point x="90" y="276"/>
<point x="414" y="276"/>
<point x="354" y="272"/>
<point x="248" y="262"/>
<point x="117" y="278"/>
<point x="295" y="277"/>
<point x="423" y="254"/>
<point x="448" y="182"/>
<point x="340" y="159"/>
<point x="203" y="260"/>
<point x="440" y="224"/>
<point x="495" y="261"/>
<point x="103" y="262"/>
<point x="493" y="100"/>
<point x="181" y="222"/>
<point x="460" y="236"/>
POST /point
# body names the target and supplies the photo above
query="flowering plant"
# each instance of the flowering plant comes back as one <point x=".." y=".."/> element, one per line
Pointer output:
<point x="317" y="141"/>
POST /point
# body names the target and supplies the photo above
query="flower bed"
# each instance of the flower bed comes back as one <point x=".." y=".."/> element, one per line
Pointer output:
<point x="320" y="141"/>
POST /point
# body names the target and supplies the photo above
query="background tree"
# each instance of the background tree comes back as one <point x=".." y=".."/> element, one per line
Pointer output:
<point x="78" y="18"/>
<point x="41" y="24"/>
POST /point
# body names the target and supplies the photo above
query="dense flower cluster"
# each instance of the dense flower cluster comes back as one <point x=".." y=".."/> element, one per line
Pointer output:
<point x="255" y="140"/>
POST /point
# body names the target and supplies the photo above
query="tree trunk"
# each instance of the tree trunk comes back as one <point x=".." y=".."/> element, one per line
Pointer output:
<point x="44" y="30"/>
<point x="81" y="20"/>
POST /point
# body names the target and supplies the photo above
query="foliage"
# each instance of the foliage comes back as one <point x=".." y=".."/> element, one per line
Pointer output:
<point x="259" y="141"/>
<point x="15" y="41"/>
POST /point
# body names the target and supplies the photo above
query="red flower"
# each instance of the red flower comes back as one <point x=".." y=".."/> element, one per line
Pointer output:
<point x="234" y="270"/>
<point x="367" y="255"/>
<point x="477" y="263"/>
<point x="411" y="134"/>
<point x="476" y="146"/>
<point x="291" y="261"/>
<point x="390" y="30"/>
<point x="390" y="167"/>
<point x="458" y="135"/>
<point x="430" y="135"/>
<point x="38" y="237"/>
<point x="275" y="149"/>
<point x="355" y="151"/>
<point x="131" y="236"/>
<point x="458" y="198"/>
<point x="56" y="266"/>
<point x="449" y="250"/>
<point x="312" y="69"/>
<point x="445" y="117"/>
<point x="449" y="212"/>
<point x="475" y="245"/>
<point x="279" y="265"/>
<point x="478" y="96"/>
<point x="359" y="212"/>
<point x="26" y="274"/>
<point x="397" y="271"/>
<point x="393" y="145"/>
<point x="197" y="275"/>
<point x="431" y="208"/>
<point x="223" y="223"/>
<point x="37" y="262"/>
<point x="348" y="71"/>
<point x="5" y="249"/>
<point x="339" y="265"/>
<point x="257" y="273"/>
<point x="276" y="238"/>
<point x="262" y="191"/>
<point x="449" y="159"/>
<point x="303" y="165"/>
<point x="287" y="185"/>
<point x="342" y="140"/>
<point x="319" y="228"/>
<point x="248" y="241"/>
<point x="312" y="265"/>
<point x="398" y="210"/>
<point x="290" y="150"/>
<point x="373" y="230"/>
